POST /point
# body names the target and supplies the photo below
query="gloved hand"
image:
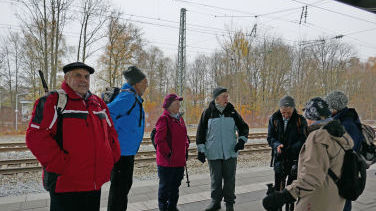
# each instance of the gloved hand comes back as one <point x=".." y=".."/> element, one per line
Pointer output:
<point x="276" y="199"/>
<point x="201" y="157"/>
<point x="239" y="145"/>
<point x="186" y="154"/>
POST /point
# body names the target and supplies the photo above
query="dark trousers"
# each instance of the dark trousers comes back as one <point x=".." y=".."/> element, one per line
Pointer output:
<point x="226" y="170"/>
<point x="169" y="182"/>
<point x="280" y="181"/>
<point x="75" y="201"/>
<point x="121" y="183"/>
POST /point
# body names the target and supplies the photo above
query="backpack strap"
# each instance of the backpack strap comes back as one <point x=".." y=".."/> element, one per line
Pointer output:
<point x="275" y="123"/>
<point x="333" y="176"/>
<point x="298" y="123"/>
<point x="60" y="107"/>
<point x="134" y="105"/>
<point x="62" y="100"/>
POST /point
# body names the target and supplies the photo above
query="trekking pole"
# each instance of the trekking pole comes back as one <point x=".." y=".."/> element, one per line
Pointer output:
<point x="186" y="174"/>
<point x="44" y="84"/>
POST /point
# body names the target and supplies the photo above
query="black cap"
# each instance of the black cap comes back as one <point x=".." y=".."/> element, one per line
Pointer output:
<point x="217" y="91"/>
<point x="77" y="65"/>
<point x="287" y="101"/>
<point x="133" y="75"/>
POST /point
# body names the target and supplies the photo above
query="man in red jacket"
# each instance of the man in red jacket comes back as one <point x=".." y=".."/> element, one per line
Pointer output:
<point x="77" y="146"/>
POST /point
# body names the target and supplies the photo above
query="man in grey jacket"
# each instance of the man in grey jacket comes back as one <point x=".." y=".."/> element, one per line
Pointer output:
<point x="216" y="141"/>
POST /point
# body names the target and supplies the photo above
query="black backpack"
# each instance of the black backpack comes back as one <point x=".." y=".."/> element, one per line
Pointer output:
<point x="110" y="94"/>
<point x="353" y="175"/>
<point x="368" y="149"/>
<point x="152" y="135"/>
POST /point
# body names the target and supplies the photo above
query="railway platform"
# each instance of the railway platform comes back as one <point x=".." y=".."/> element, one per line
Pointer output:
<point x="250" y="189"/>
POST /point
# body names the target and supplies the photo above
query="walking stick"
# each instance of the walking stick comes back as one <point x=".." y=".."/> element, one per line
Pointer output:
<point x="186" y="174"/>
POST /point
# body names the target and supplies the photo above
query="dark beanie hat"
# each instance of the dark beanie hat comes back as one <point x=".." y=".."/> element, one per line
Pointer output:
<point x="316" y="108"/>
<point x="77" y="65"/>
<point x="170" y="98"/>
<point x="337" y="100"/>
<point x="287" y="101"/>
<point x="133" y="75"/>
<point x="217" y="91"/>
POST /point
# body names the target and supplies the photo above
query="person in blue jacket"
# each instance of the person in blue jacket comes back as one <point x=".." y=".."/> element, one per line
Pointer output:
<point x="129" y="119"/>
<point x="349" y="119"/>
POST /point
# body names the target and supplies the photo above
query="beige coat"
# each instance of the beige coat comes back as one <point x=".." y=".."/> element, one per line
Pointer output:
<point x="314" y="189"/>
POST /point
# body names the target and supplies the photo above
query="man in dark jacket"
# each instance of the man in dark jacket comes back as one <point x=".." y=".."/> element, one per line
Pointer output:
<point x="349" y="119"/>
<point x="216" y="141"/>
<point x="286" y="136"/>
<point x="76" y="146"/>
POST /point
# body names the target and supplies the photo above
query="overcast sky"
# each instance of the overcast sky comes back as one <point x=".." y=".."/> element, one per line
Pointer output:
<point x="207" y="21"/>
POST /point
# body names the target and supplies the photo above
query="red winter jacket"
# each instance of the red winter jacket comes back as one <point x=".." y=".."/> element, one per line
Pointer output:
<point x="171" y="140"/>
<point x="89" y="139"/>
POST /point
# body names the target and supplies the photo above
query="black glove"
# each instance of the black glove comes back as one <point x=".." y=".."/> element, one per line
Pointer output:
<point x="239" y="145"/>
<point x="276" y="199"/>
<point x="201" y="157"/>
<point x="186" y="154"/>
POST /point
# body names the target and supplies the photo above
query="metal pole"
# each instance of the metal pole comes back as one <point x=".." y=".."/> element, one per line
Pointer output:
<point x="16" y="112"/>
<point x="181" y="52"/>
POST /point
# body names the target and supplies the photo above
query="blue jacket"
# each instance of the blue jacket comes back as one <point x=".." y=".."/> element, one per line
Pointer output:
<point x="350" y="121"/>
<point x="129" y="125"/>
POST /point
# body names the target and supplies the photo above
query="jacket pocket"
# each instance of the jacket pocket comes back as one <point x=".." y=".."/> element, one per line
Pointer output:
<point x="49" y="180"/>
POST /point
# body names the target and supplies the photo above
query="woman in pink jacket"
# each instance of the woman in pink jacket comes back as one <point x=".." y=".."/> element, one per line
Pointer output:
<point x="172" y="152"/>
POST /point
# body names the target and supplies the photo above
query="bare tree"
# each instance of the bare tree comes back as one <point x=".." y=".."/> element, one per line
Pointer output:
<point x="93" y="16"/>
<point x="44" y="22"/>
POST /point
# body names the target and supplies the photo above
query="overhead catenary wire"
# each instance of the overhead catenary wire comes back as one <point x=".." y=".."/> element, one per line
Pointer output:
<point x="212" y="30"/>
<point x="336" y="12"/>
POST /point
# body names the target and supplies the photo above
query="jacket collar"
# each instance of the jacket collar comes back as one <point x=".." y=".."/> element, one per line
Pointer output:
<point x="347" y="113"/>
<point x="167" y="113"/>
<point x="229" y="106"/>
<point x="72" y="94"/>
<point x="128" y="86"/>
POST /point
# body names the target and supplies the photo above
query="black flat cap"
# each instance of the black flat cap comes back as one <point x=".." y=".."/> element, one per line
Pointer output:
<point x="77" y="65"/>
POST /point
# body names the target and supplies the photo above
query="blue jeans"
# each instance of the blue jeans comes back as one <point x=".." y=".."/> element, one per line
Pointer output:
<point x="169" y="182"/>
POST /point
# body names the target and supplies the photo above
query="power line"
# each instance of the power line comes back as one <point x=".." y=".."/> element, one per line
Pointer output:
<point x="215" y="7"/>
<point x="347" y="15"/>
<point x="257" y="15"/>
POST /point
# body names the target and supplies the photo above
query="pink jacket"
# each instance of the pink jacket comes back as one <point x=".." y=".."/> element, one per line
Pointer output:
<point x="171" y="140"/>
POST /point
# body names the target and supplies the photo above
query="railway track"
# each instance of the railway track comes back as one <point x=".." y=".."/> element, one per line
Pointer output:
<point x="21" y="146"/>
<point x="30" y="164"/>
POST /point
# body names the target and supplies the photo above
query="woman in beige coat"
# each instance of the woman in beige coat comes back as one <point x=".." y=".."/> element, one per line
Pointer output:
<point x="314" y="189"/>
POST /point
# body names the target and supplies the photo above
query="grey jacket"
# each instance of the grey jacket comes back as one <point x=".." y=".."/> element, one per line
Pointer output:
<point x="216" y="133"/>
